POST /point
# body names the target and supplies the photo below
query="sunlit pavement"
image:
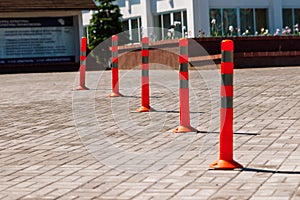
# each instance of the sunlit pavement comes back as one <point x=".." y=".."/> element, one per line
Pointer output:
<point x="58" y="143"/>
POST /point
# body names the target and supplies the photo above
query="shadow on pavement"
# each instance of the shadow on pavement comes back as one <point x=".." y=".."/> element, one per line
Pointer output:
<point x="269" y="171"/>
<point x="139" y="97"/>
<point x="214" y="132"/>
<point x="176" y="111"/>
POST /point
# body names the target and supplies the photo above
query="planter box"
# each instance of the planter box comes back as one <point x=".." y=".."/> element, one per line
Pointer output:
<point x="258" y="51"/>
<point x="249" y="52"/>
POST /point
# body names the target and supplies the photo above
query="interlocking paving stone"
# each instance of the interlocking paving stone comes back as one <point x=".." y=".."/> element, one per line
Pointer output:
<point x="45" y="153"/>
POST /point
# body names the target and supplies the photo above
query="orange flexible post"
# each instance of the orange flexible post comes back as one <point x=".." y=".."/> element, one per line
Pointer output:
<point x="184" y="89"/>
<point x="145" y="77"/>
<point x="226" y="112"/>
<point x="115" y="68"/>
<point x="82" y="65"/>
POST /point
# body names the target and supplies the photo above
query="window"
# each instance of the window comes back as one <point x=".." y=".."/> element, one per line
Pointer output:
<point x="291" y="20"/>
<point x="287" y="17"/>
<point x="296" y="16"/>
<point x="233" y="21"/>
<point x="223" y="22"/>
<point x="157" y="35"/>
<point x="176" y="20"/>
<point x="216" y="28"/>
<point x="247" y="21"/>
<point x="261" y="20"/>
<point x="125" y="25"/>
<point x="184" y="27"/>
<point x="166" y="19"/>
<point x="133" y="26"/>
<point x="229" y="22"/>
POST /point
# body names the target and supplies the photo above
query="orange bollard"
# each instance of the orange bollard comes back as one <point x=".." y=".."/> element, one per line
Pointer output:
<point x="184" y="89"/>
<point x="226" y="112"/>
<point x="115" y="71"/>
<point x="145" y="77"/>
<point x="82" y="65"/>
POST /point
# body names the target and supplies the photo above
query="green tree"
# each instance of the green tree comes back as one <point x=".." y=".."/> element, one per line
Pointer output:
<point x="104" y="23"/>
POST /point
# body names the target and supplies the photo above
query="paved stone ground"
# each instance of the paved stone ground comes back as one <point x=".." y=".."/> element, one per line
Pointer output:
<point x="57" y="143"/>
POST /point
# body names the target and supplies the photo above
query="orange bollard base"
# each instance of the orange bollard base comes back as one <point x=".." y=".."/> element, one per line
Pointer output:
<point x="144" y="109"/>
<point x="82" y="88"/>
<point x="184" y="129"/>
<point x="225" y="164"/>
<point x="113" y="94"/>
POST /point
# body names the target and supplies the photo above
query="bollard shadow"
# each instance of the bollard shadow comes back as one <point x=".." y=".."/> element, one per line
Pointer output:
<point x="92" y="89"/>
<point x="98" y="89"/>
<point x="237" y="133"/>
<point x="139" y="97"/>
<point x="175" y="111"/>
<point x="269" y="171"/>
<point x="129" y="96"/>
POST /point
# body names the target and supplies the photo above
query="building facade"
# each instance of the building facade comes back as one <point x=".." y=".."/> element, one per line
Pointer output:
<point x="197" y="18"/>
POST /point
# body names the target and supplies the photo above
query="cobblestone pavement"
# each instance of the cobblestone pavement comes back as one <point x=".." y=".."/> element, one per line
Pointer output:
<point x="57" y="143"/>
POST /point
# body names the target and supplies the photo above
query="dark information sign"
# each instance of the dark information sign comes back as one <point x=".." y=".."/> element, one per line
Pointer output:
<point x="37" y="40"/>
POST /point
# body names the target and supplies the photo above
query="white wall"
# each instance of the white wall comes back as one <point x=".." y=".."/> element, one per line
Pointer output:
<point x="86" y="17"/>
<point x="161" y="6"/>
<point x="131" y="8"/>
<point x="291" y="3"/>
<point x="239" y="3"/>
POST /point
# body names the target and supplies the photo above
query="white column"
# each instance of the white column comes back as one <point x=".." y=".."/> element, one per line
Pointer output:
<point x="147" y="16"/>
<point x="128" y="6"/>
<point x="191" y="18"/>
<point x="130" y="29"/>
<point x="162" y="26"/>
<point x="201" y="15"/>
<point x="275" y="15"/>
<point x="182" y="23"/>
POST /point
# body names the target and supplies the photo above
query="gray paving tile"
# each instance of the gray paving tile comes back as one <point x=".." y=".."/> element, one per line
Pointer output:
<point x="45" y="153"/>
